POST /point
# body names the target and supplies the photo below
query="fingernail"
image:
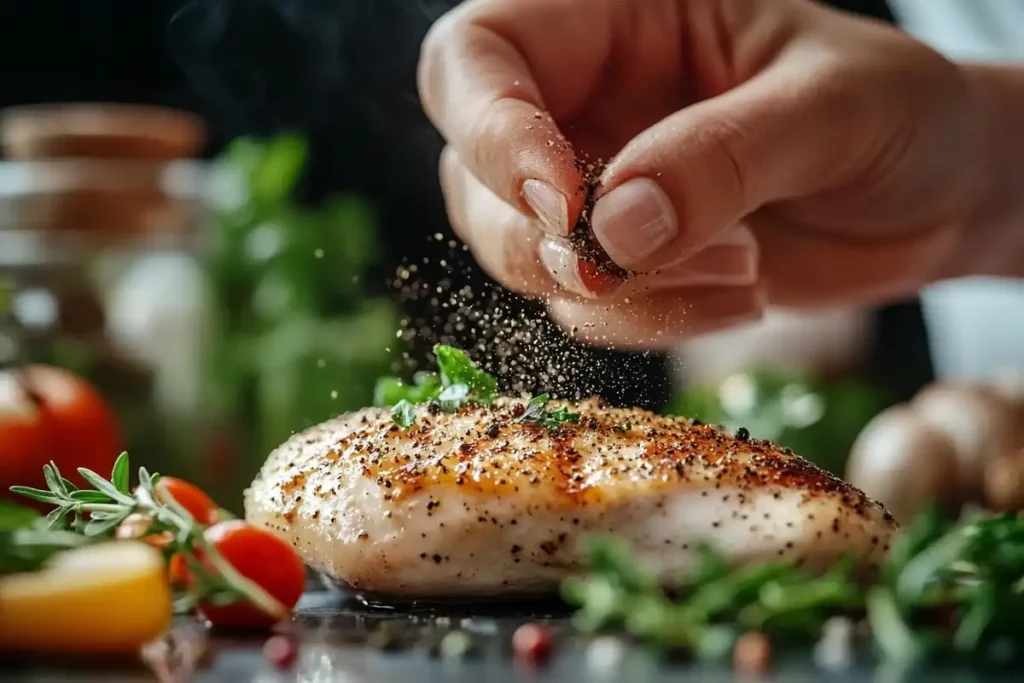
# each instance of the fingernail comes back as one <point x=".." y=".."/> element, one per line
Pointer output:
<point x="634" y="221"/>
<point x="549" y="204"/>
<point x="563" y="265"/>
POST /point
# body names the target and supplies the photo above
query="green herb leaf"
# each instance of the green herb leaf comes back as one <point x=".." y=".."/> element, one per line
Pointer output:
<point x="54" y="480"/>
<point x="25" y="550"/>
<point x="89" y="496"/>
<point x="404" y="414"/>
<point x="453" y="398"/>
<point x="37" y="495"/>
<point x="104" y="486"/>
<point x="534" y="409"/>
<point x="15" y="516"/>
<point x="536" y="413"/>
<point x="891" y="631"/>
<point x="120" y="476"/>
<point x="57" y="520"/>
<point x="104" y="526"/>
<point x="390" y="390"/>
<point x="460" y="382"/>
<point x="457" y="368"/>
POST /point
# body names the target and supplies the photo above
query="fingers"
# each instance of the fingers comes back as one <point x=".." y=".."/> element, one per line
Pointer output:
<point x="706" y="167"/>
<point x="478" y="81"/>
<point x="806" y="268"/>
<point x="660" y="319"/>
<point x="513" y="250"/>
<point x="503" y="241"/>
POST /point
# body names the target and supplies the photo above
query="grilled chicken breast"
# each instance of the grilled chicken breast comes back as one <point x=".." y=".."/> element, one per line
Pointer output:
<point x="480" y="503"/>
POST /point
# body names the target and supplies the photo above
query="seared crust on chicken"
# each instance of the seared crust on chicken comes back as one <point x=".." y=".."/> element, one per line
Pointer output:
<point x="482" y="503"/>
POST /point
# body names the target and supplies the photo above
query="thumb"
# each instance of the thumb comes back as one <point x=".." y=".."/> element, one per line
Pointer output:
<point x="680" y="183"/>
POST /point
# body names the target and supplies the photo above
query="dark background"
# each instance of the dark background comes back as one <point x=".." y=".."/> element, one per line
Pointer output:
<point x="341" y="71"/>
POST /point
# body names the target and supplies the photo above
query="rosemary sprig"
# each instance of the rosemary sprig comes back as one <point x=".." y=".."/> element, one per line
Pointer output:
<point x="87" y="515"/>
<point x="946" y="590"/>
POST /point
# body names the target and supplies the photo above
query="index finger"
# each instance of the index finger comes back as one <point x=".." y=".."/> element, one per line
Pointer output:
<point x="479" y="89"/>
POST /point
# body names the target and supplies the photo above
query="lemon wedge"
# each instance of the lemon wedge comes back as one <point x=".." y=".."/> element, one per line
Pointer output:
<point x="104" y="599"/>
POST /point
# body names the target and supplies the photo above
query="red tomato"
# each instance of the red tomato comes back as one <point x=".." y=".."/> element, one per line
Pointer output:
<point x="177" y="571"/>
<point x="50" y="414"/>
<point x="264" y="559"/>
<point x="190" y="497"/>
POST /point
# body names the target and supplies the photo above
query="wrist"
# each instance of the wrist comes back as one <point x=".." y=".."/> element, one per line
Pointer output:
<point x="991" y="239"/>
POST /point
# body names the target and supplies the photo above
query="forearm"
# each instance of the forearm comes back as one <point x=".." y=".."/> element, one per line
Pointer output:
<point x="993" y="239"/>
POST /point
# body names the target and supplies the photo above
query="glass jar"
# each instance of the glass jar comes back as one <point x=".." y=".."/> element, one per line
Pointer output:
<point x="101" y="230"/>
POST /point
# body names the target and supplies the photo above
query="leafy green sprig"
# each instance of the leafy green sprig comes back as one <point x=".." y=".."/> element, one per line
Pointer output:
<point x="82" y="516"/>
<point x="459" y="382"/>
<point x="945" y="590"/>
<point x="537" y="413"/>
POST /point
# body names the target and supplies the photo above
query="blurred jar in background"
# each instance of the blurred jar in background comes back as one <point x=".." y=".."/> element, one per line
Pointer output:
<point x="101" y="220"/>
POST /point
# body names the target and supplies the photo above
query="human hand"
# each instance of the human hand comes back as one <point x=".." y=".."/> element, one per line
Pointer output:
<point x="760" y="152"/>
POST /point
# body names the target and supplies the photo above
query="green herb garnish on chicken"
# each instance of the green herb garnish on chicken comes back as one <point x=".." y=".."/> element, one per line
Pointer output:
<point x="459" y="381"/>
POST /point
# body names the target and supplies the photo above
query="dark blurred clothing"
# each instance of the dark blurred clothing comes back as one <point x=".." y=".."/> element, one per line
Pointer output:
<point x="343" y="72"/>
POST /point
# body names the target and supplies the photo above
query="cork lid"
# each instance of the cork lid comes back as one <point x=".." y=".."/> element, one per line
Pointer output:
<point x="108" y="131"/>
<point x="102" y="173"/>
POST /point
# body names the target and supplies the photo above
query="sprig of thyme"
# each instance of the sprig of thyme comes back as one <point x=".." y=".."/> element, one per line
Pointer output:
<point x="945" y="590"/>
<point x="459" y="382"/>
<point x="82" y="516"/>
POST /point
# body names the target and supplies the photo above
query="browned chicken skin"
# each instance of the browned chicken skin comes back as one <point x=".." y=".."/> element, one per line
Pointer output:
<point x="479" y="503"/>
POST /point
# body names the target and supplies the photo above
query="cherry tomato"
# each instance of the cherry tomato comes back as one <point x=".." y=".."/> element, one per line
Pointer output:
<point x="177" y="571"/>
<point x="264" y="559"/>
<point x="51" y="414"/>
<point x="190" y="497"/>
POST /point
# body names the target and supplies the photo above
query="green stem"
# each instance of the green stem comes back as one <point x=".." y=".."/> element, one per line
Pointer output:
<point x="251" y="591"/>
<point x="103" y="507"/>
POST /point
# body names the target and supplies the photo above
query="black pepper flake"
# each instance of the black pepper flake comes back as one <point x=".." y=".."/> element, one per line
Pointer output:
<point x="436" y="558"/>
<point x="742" y="433"/>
